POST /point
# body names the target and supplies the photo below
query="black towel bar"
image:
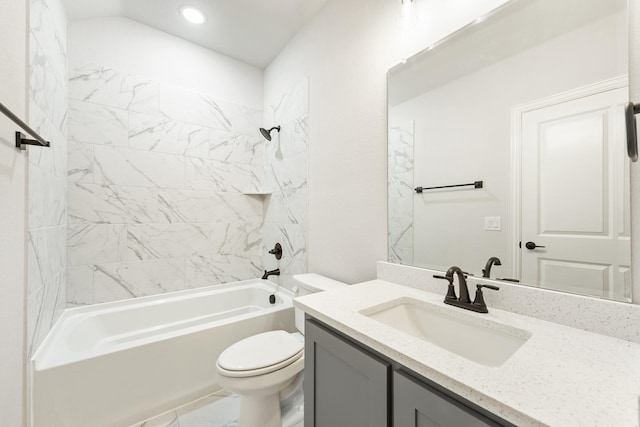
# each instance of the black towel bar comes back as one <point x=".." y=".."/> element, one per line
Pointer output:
<point x="476" y="184"/>
<point x="21" y="140"/>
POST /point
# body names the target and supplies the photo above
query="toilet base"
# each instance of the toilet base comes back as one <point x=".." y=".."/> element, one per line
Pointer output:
<point x="260" y="411"/>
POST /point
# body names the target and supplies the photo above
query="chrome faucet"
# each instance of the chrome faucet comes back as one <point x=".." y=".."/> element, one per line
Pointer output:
<point x="275" y="272"/>
<point x="486" y="271"/>
<point x="478" y="305"/>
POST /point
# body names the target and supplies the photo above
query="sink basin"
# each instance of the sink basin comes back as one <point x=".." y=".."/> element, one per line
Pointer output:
<point x="479" y="340"/>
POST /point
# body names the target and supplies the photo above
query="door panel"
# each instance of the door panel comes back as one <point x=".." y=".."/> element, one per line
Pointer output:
<point x="573" y="202"/>
<point x="588" y="279"/>
<point x="574" y="181"/>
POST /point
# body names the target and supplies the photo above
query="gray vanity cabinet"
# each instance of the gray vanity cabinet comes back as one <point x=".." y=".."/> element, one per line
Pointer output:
<point x="343" y="385"/>
<point x="348" y="385"/>
<point x="416" y="404"/>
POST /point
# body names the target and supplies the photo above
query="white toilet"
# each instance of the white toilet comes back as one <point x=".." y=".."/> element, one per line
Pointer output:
<point x="260" y="367"/>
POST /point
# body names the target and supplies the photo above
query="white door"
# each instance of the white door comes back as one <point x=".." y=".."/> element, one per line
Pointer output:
<point x="575" y="177"/>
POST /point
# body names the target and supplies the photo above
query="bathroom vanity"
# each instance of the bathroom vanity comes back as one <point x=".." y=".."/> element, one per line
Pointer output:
<point x="381" y="391"/>
<point x="366" y="364"/>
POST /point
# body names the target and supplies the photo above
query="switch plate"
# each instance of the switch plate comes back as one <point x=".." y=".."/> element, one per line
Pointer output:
<point x="492" y="223"/>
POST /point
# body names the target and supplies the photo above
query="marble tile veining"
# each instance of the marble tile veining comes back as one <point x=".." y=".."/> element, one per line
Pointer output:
<point x="113" y="88"/>
<point x="232" y="147"/>
<point x="101" y="204"/>
<point x="80" y="285"/>
<point x="96" y="243"/>
<point x="232" y="238"/>
<point x="46" y="254"/>
<point x="52" y="159"/>
<point x="47" y="196"/>
<point x="97" y="124"/>
<point x="163" y="135"/>
<point x="400" y="188"/>
<point x="47" y="199"/>
<point x="157" y="241"/>
<point x="81" y="161"/>
<point x="191" y="107"/>
<point x="124" y="280"/>
<point x="119" y="166"/>
<point x="197" y="206"/>
<point x="48" y="28"/>
<point x="292" y="104"/>
<point x="214" y="175"/>
<point x="206" y="270"/>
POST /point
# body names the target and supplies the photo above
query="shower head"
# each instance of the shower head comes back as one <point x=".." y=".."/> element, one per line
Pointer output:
<point x="267" y="133"/>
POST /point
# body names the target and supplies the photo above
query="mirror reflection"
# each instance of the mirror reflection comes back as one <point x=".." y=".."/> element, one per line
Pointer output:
<point x="524" y="107"/>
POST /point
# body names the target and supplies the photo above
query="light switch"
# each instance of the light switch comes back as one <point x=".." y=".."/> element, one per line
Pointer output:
<point x="492" y="223"/>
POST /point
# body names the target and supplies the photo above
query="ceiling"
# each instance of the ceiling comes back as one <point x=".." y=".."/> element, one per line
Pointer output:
<point x="252" y="31"/>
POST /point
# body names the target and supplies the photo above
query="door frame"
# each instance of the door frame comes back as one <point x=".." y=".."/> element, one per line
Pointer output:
<point x="517" y="114"/>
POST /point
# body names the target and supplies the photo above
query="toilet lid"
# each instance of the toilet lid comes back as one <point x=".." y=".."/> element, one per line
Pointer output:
<point x="260" y="351"/>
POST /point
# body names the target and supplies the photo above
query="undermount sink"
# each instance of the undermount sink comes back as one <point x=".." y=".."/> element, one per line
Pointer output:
<point x="479" y="340"/>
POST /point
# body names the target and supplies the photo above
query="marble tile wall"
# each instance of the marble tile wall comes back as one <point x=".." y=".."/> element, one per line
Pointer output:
<point x="286" y="178"/>
<point x="162" y="187"/>
<point x="47" y="198"/>
<point x="400" y="193"/>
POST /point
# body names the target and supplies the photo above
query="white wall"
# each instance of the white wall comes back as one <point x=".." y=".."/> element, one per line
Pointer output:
<point x="124" y="44"/>
<point x="13" y="211"/>
<point x="346" y="50"/>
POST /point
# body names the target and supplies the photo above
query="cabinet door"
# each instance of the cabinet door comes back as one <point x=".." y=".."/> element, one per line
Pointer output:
<point x="416" y="404"/>
<point x="343" y="386"/>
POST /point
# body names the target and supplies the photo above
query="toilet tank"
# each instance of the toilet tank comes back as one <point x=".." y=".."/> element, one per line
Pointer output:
<point x="310" y="284"/>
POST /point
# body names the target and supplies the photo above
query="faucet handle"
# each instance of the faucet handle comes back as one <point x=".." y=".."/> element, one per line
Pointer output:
<point x="451" y="292"/>
<point x="495" y="288"/>
<point x="479" y="299"/>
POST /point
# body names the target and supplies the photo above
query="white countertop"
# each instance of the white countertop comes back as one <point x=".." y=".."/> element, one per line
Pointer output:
<point x="560" y="377"/>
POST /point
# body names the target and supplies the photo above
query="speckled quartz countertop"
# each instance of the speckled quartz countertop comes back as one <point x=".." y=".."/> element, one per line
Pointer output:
<point x="561" y="376"/>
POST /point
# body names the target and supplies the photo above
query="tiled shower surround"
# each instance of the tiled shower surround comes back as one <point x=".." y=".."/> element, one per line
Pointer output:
<point x="164" y="187"/>
<point x="401" y="196"/>
<point x="286" y="179"/>
<point x="47" y="194"/>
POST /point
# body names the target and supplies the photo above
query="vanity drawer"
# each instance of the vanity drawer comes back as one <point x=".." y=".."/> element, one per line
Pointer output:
<point x="417" y="404"/>
<point x="343" y="385"/>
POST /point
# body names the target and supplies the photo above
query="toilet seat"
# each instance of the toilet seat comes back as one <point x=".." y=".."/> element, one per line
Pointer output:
<point x="260" y="354"/>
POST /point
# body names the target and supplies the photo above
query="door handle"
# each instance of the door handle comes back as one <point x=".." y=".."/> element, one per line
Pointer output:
<point x="531" y="246"/>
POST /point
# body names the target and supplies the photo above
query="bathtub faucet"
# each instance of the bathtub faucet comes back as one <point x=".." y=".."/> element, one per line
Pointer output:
<point x="275" y="272"/>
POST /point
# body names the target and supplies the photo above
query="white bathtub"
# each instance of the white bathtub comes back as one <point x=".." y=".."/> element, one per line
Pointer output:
<point x="119" y="363"/>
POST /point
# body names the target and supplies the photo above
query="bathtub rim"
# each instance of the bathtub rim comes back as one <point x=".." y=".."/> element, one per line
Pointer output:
<point x="40" y="362"/>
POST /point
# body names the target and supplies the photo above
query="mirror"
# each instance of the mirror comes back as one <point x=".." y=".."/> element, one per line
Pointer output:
<point x="520" y="117"/>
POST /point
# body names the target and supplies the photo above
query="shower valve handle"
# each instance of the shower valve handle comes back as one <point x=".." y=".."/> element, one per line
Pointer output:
<point x="277" y="251"/>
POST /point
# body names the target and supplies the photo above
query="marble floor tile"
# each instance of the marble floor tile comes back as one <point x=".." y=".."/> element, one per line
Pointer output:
<point x="222" y="409"/>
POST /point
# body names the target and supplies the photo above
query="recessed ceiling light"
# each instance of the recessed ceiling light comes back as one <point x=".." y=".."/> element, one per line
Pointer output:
<point x="193" y="15"/>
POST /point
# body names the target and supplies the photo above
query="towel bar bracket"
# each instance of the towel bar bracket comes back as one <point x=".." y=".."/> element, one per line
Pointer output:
<point x="22" y="140"/>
